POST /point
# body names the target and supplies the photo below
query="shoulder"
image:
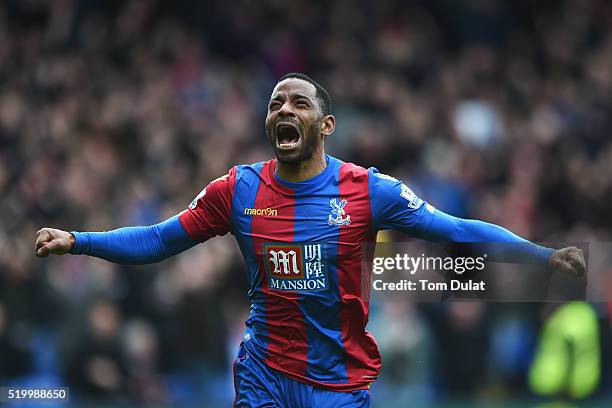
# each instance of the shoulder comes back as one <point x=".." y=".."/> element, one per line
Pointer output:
<point x="387" y="188"/>
<point x="253" y="169"/>
<point x="358" y="172"/>
<point x="383" y="180"/>
<point x="252" y="174"/>
<point x="383" y="186"/>
<point x="245" y="170"/>
<point x="351" y="170"/>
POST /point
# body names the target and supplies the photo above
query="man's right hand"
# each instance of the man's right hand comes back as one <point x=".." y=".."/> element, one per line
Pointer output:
<point x="53" y="241"/>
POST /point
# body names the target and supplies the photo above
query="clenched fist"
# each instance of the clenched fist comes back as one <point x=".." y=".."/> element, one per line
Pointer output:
<point x="53" y="241"/>
<point x="568" y="260"/>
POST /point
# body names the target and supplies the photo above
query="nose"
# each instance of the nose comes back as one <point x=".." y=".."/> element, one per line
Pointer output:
<point x="286" y="110"/>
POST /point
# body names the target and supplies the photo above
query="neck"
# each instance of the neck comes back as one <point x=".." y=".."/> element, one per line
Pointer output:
<point x="296" y="172"/>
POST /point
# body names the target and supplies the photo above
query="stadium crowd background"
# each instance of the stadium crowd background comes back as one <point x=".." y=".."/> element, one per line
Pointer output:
<point x="117" y="113"/>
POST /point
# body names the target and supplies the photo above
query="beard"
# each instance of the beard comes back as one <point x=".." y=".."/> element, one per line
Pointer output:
<point x="305" y="151"/>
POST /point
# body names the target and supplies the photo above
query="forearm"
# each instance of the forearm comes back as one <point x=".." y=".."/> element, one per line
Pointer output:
<point x="135" y="245"/>
<point x="501" y="244"/>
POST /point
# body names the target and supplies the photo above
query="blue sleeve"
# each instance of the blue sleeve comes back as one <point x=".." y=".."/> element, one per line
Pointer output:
<point x="499" y="243"/>
<point x="395" y="206"/>
<point x="135" y="245"/>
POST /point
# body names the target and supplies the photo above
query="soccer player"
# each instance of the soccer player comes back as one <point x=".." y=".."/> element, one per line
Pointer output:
<point x="301" y="221"/>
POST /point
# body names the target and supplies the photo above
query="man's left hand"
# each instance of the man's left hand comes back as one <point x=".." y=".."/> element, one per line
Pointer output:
<point x="568" y="260"/>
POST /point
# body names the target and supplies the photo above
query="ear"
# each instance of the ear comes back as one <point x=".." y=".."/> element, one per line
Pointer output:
<point x="328" y="124"/>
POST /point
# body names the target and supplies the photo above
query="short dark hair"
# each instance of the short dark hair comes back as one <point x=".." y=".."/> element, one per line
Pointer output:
<point x="322" y="94"/>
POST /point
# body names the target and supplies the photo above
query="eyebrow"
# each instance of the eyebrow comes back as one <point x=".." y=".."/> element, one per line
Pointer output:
<point x="293" y="97"/>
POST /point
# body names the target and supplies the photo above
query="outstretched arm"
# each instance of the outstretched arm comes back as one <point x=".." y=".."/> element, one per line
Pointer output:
<point x="504" y="245"/>
<point x="130" y="245"/>
<point x="395" y="206"/>
<point x="207" y="216"/>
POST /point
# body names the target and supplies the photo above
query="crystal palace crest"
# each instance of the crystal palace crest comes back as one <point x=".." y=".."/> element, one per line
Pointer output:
<point x="337" y="216"/>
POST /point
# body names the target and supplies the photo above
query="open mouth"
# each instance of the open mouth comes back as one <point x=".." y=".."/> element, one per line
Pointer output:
<point x="287" y="136"/>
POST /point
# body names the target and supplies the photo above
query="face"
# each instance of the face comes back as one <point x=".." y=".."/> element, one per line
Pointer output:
<point x="295" y="125"/>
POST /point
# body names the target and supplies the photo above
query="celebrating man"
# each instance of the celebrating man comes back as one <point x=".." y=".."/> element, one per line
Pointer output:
<point x="301" y="221"/>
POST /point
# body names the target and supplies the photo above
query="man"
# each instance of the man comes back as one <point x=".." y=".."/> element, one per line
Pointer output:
<point x="301" y="221"/>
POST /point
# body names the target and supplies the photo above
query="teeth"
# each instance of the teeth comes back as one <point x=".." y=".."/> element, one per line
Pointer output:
<point x="287" y="145"/>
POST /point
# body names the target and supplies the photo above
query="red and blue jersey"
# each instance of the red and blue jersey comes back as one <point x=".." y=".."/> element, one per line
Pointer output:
<point x="303" y="244"/>
<point x="306" y="249"/>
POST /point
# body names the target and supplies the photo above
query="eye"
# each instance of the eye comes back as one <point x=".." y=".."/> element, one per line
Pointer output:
<point x="302" y="104"/>
<point x="274" y="105"/>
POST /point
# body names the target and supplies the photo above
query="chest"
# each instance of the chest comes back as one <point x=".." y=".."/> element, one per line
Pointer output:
<point x="306" y="218"/>
<point x="299" y="242"/>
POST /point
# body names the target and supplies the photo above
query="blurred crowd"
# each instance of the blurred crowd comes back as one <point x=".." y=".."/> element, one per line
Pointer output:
<point x="117" y="113"/>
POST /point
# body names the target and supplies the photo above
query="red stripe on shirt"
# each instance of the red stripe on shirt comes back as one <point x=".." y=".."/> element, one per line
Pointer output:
<point x="212" y="212"/>
<point x="363" y="358"/>
<point x="287" y="337"/>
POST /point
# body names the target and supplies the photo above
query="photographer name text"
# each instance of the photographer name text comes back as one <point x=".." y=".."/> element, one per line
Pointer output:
<point x="427" y="285"/>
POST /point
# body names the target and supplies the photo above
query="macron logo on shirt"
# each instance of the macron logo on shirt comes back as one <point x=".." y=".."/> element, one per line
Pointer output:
<point x="269" y="212"/>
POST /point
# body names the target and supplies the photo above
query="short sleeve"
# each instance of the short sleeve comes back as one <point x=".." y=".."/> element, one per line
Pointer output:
<point x="209" y="213"/>
<point x="395" y="206"/>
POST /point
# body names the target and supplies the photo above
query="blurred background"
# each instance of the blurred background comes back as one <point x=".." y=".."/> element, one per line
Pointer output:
<point x="117" y="113"/>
